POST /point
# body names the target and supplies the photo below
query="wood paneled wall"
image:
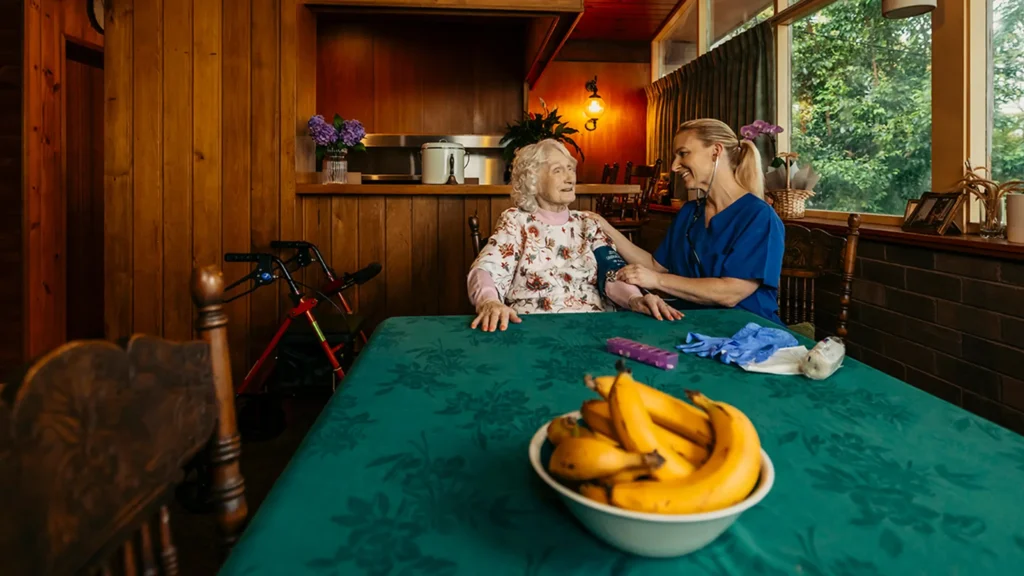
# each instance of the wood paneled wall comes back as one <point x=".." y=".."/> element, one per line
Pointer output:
<point x="421" y="74"/>
<point x="621" y="133"/>
<point x="48" y="25"/>
<point x="421" y="241"/>
<point x="11" y="315"/>
<point x="206" y="110"/>
<point x="202" y="116"/>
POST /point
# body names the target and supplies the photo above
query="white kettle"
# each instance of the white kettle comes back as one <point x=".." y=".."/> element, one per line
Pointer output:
<point x="441" y="159"/>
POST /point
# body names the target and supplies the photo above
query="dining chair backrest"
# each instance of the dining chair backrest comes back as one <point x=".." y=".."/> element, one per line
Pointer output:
<point x="476" y="240"/>
<point x="93" y="439"/>
<point x="605" y="204"/>
<point x="636" y="206"/>
<point x="811" y="254"/>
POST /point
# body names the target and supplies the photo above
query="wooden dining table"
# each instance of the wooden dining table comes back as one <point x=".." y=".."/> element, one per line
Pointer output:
<point x="418" y="464"/>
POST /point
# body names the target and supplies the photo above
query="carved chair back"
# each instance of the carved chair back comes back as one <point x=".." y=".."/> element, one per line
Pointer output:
<point x="93" y="440"/>
<point x="475" y="238"/>
<point x="604" y="204"/>
<point x="809" y="256"/>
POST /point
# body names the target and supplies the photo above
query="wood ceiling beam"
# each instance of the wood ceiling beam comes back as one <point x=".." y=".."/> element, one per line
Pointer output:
<point x="573" y="6"/>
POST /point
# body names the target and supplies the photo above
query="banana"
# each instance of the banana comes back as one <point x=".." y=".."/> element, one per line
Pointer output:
<point x="635" y="429"/>
<point x="566" y="427"/>
<point x="627" y="475"/>
<point x="594" y="492"/>
<point x="727" y="478"/>
<point x="589" y="458"/>
<point x="597" y="415"/>
<point x="667" y="411"/>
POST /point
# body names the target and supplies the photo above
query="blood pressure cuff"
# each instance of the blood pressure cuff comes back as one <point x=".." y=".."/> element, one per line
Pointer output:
<point x="609" y="262"/>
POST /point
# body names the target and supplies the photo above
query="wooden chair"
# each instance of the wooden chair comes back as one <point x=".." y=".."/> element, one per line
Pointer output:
<point x="633" y="213"/>
<point x="93" y="440"/>
<point x="475" y="238"/>
<point x="604" y="204"/>
<point x="810" y="255"/>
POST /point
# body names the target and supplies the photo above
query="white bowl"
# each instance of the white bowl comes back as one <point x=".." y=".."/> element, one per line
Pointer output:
<point x="645" y="534"/>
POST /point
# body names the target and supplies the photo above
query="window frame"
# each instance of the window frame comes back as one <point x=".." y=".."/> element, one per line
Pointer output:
<point x="962" y="97"/>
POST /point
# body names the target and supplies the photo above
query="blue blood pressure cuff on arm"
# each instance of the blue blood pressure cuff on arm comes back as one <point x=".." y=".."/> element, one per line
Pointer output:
<point x="608" y="263"/>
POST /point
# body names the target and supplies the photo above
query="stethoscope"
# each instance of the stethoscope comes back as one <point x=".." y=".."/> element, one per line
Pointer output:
<point x="698" y="212"/>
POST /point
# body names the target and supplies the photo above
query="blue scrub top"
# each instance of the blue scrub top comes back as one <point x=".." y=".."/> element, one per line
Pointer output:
<point x="746" y="240"/>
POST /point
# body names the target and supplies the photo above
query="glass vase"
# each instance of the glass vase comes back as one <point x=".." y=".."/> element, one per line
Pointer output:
<point x="992" y="225"/>
<point x="335" y="168"/>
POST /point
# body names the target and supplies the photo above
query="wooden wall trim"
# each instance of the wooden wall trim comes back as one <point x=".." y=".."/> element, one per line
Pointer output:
<point x="503" y="5"/>
<point x="117" y="169"/>
<point x="48" y="25"/>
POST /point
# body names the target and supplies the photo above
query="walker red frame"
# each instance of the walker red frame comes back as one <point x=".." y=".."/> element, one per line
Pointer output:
<point x="262" y="275"/>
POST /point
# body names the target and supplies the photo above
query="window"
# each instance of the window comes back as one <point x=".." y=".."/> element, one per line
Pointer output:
<point x="861" y="106"/>
<point x="1007" y="133"/>
<point x="680" y="45"/>
<point x="734" y="17"/>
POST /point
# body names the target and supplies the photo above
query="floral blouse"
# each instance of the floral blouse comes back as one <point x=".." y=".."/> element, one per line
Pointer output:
<point x="539" y="267"/>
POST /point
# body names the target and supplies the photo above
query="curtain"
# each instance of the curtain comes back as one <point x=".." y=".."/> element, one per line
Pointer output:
<point x="734" y="83"/>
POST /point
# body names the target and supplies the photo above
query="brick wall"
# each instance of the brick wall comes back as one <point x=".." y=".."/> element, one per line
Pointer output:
<point x="949" y="324"/>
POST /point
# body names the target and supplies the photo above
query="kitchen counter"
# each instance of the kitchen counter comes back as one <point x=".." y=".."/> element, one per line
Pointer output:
<point x="309" y="189"/>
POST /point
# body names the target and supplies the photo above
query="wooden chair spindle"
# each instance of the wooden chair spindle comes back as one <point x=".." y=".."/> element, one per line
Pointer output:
<point x="168" y="553"/>
<point x="228" y="486"/>
<point x="148" y="559"/>
<point x="130" y="568"/>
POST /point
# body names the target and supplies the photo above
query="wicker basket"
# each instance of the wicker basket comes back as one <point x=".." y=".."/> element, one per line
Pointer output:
<point x="789" y="203"/>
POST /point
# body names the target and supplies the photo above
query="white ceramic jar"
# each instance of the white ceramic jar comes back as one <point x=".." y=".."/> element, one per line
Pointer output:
<point x="439" y="159"/>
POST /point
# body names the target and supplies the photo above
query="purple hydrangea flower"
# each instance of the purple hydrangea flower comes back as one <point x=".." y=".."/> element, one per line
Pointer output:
<point x="321" y="132"/>
<point x="352" y="132"/>
<point x="749" y="132"/>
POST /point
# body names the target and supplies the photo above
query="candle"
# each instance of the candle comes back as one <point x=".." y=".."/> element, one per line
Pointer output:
<point x="1015" y="218"/>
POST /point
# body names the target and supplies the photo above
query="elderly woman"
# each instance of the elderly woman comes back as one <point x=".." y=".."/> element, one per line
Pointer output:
<point x="540" y="258"/>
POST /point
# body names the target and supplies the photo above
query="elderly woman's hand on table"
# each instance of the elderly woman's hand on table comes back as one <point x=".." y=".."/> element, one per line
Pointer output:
<point x="653" y="305"/>
<point x="493" y="315"/>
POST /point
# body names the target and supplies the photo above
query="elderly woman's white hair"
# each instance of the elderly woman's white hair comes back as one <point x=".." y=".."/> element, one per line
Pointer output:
<point x="526" y="169"/>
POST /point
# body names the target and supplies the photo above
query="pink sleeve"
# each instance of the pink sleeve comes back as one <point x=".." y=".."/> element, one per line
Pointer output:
<point x="621" y="292"/>
<point x="481" y="287"/>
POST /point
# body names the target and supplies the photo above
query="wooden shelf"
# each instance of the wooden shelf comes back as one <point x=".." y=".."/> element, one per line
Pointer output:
<point x="308" y="189"/>
<point x="967" y="244"/>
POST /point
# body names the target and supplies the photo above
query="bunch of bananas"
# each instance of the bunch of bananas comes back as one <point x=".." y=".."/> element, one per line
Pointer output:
<point x="647" y="451"/>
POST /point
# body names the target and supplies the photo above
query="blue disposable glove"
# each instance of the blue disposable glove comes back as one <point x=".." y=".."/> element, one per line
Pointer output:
<point x="753" y="343"/>
<point x="756" y="344"/>
<point x="704" y="346"/>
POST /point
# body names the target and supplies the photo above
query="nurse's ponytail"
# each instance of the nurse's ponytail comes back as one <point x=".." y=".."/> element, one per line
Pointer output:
<point x="743" y="156"/>
<point x="748" y="168"/>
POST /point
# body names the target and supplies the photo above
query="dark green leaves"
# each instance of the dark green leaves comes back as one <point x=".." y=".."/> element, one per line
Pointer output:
<point x="891" y="543"/>
<point x="536" y="127"/>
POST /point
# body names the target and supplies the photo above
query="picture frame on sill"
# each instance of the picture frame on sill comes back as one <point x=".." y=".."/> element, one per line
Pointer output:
<point x="911" y="204"/>
<point x="935" y="213"/>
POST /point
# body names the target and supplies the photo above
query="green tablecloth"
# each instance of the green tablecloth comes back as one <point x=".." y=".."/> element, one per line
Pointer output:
<point x="419" y="464"/>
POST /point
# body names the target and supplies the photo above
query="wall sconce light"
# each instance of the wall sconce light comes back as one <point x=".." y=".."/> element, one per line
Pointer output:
<point x="594" y="107"/>
<point x="906" y="8"/>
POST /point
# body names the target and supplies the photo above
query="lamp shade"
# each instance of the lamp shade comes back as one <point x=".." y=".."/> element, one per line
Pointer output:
<point x="906" y="8"/>
<point x="594" y="107"/>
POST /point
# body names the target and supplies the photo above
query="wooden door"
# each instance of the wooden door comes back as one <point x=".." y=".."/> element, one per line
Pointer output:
<point x="84" y="185"/>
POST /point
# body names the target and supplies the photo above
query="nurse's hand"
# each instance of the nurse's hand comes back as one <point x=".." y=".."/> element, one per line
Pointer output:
<point x="600" y="220"/>
<point x="637" y="275"/>
<point x="492" y="315"/>
<point x="653" y="305"/>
